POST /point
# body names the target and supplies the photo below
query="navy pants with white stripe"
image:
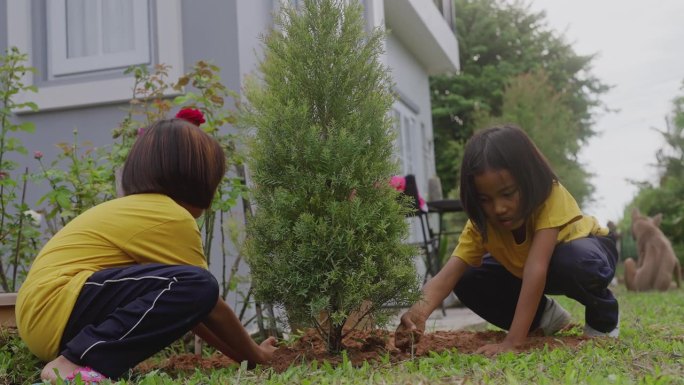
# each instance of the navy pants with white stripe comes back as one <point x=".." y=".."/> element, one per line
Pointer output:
<point x="579" y="269"/>
<point x="125" y="315"/>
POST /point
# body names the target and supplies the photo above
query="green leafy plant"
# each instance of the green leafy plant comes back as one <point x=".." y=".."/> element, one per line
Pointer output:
<point x="17" y="364"/>
<point x="18" y="235"/>
<point x="209" y="95"/>
<point x="148" y="104"/>
<point x="82" y="175"/>
<point x="326" y="240"/>
<point x="79" y="178"/>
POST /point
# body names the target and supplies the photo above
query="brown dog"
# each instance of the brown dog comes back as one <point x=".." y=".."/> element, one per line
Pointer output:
<point x="657" y="261"/>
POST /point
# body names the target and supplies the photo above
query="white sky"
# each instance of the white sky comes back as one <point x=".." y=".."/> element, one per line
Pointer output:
<point x="640" y="47"/>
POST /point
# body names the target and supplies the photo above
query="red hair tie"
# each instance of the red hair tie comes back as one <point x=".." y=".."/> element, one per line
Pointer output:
<point x="192" y="115"/>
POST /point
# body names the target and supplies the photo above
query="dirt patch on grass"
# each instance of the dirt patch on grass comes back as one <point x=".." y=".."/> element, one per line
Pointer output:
<point x="362" y="346"/>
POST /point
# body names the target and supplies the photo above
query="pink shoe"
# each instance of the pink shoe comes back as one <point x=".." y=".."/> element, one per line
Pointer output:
<point x="88" y="376"/>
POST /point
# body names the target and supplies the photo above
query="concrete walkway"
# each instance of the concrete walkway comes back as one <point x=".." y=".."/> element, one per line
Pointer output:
<point x="456" y="318"/>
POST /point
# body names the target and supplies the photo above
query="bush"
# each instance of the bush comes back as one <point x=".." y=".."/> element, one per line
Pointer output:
<point x="18" y="229"/>
<point x="326" y="240"/>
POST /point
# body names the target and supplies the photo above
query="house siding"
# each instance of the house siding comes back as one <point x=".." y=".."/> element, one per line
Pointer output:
<point x="210" y="34"/>
<point x="3" y="28"/>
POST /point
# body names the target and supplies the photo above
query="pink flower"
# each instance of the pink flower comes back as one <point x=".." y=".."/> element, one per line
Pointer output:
<point x="37" y="154"/>
<point x="398" y="182"/>
<point x="192" y="115"/>
<point x="141" y="131"/>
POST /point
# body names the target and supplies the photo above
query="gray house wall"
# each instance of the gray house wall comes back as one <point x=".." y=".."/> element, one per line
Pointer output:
<point x="255" y="19"/>
<point x="209" y="33"/>
<point x="3" y="26"/>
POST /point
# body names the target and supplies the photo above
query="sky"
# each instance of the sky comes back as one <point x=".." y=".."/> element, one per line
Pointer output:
<point x="640" y="52"/>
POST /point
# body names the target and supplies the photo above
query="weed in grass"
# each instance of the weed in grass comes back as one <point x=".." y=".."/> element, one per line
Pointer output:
<point x="17" y="364"/>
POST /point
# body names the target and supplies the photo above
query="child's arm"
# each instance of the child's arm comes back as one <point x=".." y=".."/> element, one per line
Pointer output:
<point x="434" y="292"/>
<point x="223" y="330"/>
<point x="533" y="282"/>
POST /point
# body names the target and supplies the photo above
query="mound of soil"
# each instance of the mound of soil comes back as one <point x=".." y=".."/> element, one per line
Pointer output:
<point x="362" y="346"/>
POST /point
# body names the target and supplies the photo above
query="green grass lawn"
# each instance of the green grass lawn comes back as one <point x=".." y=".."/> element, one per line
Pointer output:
<point x="650" y="351"/>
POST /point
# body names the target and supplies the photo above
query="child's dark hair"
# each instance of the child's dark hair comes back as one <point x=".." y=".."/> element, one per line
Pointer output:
<point x="175" y="158"/>
<point x="505" y="147"/>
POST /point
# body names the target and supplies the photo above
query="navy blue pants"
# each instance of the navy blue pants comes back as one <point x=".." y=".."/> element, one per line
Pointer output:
<point x="124" y="315"/>
<point x="580" y="269"/>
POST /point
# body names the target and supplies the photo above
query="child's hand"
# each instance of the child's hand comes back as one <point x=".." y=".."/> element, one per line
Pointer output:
<point x="268" y="347"/>
<point x="410" y="330"/>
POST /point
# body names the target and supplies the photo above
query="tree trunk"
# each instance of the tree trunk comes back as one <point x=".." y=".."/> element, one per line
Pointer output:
<point x="335" y="339"/>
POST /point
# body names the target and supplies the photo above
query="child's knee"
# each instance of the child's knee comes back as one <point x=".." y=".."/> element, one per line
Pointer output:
<point x="209" y="286"/>
<point x="589" y="270"/>
<point x="203" y="285"/>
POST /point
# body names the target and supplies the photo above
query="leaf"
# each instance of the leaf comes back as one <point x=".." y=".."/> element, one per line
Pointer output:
<point x="183" y="81"/>
<point x="185" y="99"/>
<point x="217" y="99"/>
<point x="29" y="127"/>
<point x="63" y="199"/>
<point x="30" y="105"/>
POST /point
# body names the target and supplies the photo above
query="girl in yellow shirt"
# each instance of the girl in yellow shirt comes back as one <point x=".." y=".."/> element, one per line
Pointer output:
<point x="128" y="277"/>
<point x="525" y="237"/>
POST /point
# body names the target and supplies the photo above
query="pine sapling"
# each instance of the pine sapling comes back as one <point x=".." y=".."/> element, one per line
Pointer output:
<point x="326" y="240"/>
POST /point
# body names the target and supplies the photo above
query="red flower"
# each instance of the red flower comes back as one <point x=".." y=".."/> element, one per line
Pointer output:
<point x="37" y="154"/>
<point x="398" y="182"/>
<point x="192" y="115"/>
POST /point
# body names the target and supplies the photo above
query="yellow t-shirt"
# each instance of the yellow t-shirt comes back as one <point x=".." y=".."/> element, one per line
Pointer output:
<point x="559" y="210"/>
<point x="136" y="229"/>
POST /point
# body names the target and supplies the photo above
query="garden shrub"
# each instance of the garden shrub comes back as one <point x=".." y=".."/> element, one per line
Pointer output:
<point x="19" y="233"/>
<point x="82" y="175"/>
<point x="326" y="240"/>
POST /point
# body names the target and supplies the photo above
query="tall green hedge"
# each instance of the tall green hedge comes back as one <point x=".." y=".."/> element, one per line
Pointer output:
<point x="326" y="240"/>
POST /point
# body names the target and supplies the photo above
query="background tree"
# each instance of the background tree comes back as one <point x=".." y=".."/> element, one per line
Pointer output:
<point x="530" y="101"/>
<point x="499" y="40"/>
<point x="326" y="240"/>
<point x="667" y="195"/>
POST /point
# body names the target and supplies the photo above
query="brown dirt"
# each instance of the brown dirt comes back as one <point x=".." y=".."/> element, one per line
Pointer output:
<point x="362" y="346"/>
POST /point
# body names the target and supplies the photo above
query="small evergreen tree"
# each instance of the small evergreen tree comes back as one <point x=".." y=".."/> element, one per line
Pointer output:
<point x="326" y="240"/>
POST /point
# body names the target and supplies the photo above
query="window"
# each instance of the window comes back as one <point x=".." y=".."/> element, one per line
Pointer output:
<point x="408" y="129"/>
<point x="405" y="127"/>
<point x="446" y="8"/>
<point x="428" y="161"/>
<point x="90" y="35"/>
<point x="84" y="64"/>
<point x="407" y="152"/>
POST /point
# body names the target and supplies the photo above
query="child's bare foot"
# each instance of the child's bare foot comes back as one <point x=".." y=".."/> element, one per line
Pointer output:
<point x="63" y="366"/>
